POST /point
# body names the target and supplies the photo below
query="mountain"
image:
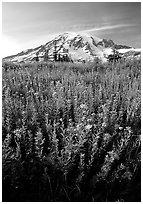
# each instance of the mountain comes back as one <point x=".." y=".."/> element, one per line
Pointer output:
<point x="77" y="46"/>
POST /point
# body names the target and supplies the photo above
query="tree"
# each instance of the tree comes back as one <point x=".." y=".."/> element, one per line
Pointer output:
<point x="46" y="56"/>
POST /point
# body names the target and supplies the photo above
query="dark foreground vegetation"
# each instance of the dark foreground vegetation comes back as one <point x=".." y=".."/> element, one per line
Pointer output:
<point x="71" y="132"/>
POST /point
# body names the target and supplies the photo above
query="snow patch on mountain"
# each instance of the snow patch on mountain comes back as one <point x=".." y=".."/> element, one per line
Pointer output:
<point x="130" y="49"/>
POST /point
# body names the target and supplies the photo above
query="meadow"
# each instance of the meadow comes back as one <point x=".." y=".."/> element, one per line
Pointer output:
<point x="71" y="132"/>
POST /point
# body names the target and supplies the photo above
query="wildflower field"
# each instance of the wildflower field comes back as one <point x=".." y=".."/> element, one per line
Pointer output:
<point x="71" y="132"/>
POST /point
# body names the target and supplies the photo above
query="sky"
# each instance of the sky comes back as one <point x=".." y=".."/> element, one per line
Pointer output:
<point x="31" y="24"/>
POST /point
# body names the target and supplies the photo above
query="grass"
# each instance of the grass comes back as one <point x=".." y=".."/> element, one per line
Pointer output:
<point x="71" y="132"/>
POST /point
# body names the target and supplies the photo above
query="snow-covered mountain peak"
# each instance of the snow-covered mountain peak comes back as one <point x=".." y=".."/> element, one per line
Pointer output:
<point x="76" y="46"/>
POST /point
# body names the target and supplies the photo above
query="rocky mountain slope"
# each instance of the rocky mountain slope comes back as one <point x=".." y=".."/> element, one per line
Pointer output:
<point x="77" y="46"/>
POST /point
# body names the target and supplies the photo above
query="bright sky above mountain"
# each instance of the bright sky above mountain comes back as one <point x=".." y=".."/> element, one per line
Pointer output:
<point x="27" y="25"/>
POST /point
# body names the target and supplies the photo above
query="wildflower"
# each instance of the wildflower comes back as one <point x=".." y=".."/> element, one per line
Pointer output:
<point x="88" y="127"/>
<point x="122" y="166"/>
<point x="54" y="94"/>
<point x="104" y="124"/>
<point x="128" y="128"/>
<point x="79" y="126"/>
<point x="120" y="128"/>
<point x="70" y="120"/>
<point x="69" y="101"/>
<point x="127" y="175"/>
<point x="83" y="118"/>
<point x="89" y="120"/>
<point x="93" y="114"/>
<point x="83" y="106"/>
